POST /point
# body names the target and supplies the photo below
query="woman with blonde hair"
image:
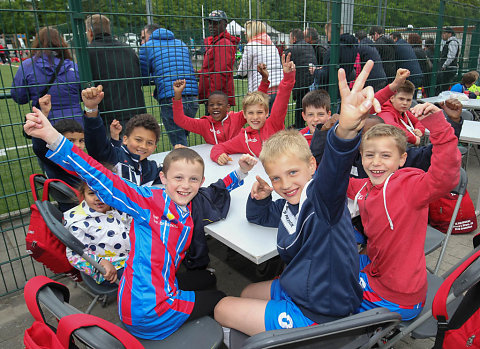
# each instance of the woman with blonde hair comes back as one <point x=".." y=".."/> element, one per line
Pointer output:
<point x="260" y="49"/>
<point x="50" y="70"/>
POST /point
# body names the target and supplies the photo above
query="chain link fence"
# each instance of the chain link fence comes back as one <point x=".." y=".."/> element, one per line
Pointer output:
<point x="20" y="21"/>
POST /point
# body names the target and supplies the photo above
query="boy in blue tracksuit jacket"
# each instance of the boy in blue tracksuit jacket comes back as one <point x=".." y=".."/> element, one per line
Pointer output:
<point x="315" y="236"/>
<point x="152" y="302"/>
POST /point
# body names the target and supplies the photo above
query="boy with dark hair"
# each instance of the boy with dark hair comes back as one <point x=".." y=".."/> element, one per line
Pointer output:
<point x="315" y="237"/>
<point x="153" y="300"/>
<point x="396" y="112"/>
<point x="315" y="111"/>
<point x="220" y="124"/>
<point x="139" y="142"/>
<point x="393" y="272"/>
<point x="467" y="85"/>
<point x="255" y="108"/>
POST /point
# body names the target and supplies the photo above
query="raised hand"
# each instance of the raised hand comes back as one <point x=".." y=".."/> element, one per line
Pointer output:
<point x="262" y="70"/>
<point x="115" y="129"/>
<point x="178" y="87"/>
<point x="260" y="189"/>
<point x="402" y="75"/>
<point x="356" y="103"/>
<point x="223" y="159"/>
<point x="453" y="108"/>
<point x="246" y="162"/>
<point x="45" y="104"/>
<point x="288" y="65"/>
<point x="37" y="125"/>
<point x="92" y="96"/>
<point x="421" y="111"/>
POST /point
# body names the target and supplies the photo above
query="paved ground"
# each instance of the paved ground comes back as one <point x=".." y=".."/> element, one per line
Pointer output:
<point x="233" y="272"/>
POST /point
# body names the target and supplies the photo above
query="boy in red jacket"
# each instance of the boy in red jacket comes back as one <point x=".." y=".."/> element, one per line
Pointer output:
<point x="220" y="125"/>
<point x="396" y="112"/>
<point x="393" y="204"/>
<point x="255" y="109"/>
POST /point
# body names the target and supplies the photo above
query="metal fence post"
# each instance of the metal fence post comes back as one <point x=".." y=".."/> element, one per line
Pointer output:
<point x="474" y="48"/>
<point x="461" y="62"/>
<point x="334" y="51"/>
<point x="80" y="41"/>
<point x="436" y="57"/>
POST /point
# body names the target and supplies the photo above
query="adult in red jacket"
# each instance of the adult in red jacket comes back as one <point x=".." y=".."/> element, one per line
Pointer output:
<point x="217" y="68"/>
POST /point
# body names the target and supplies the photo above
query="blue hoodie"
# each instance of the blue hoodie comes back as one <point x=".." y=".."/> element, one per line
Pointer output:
<point x="167" y="59"/>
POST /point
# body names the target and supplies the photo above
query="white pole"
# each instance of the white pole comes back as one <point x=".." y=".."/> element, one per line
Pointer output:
<point x="250" y="9"/>
<point x="304" y="14"/>
<point x="148" y="4"/>
<point x="203" y="25"/>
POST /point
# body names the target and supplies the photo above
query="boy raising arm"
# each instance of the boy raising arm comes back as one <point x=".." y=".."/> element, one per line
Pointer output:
<point x="393" y="272"/>
<point x="315" y="237"/>
<point x="152" y="303"/>
<point x="221" y="124"/>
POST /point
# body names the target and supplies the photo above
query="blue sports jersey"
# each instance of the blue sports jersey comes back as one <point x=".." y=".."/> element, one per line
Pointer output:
<point x="149" y="301"/>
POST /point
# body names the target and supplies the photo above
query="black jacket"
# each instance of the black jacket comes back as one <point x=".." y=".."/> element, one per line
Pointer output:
<point x="302" y="55"/>
<point x="348" y="53"/>
<point x="407" y="59"/>
<point x="113" y="61"/>
<point x="386" y="48"/>
<point x="377" y="78"/>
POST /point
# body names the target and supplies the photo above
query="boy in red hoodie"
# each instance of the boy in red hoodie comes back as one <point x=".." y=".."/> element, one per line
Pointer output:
<point x="220" y="125"/>
<point x="393" y="204"/>
<point x="255" y="109"/>
<point x="396" y="112"/>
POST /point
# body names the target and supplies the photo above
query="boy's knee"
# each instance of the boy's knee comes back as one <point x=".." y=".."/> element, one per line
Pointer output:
<point x="221" y="310"/>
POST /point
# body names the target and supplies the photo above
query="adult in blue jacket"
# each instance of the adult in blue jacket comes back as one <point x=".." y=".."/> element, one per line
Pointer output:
<point x="406" y="58"/>
<point x="36" y="71"/>
<point x="166" y="59"/>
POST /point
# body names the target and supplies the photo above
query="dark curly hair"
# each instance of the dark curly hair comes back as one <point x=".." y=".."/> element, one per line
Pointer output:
<point x="146" y="121"/>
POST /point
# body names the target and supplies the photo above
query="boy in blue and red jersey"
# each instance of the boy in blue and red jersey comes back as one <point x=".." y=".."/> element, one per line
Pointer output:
<point x="152" y="302"/>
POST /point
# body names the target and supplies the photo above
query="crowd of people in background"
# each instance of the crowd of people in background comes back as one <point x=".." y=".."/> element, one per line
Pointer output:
<point x="163" y="59"/>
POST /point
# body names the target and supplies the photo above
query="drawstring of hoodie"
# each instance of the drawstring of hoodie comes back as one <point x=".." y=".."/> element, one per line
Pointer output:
<point x="214" y="132"/>
<point x="355" y="202"/>
<point x="385" y="201"/>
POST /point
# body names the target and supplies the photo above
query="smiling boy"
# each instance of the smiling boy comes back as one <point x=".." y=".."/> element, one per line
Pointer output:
<point x="153" y="300"/>
<point x="315" y="237"/>
<point x="139" y="142"/>
<point x="393" y="204"/>
<point x="396" y="112"/>
<point x="221" y="124"/>
<point x="255" y="109"/>
<point x="315" y="110"/>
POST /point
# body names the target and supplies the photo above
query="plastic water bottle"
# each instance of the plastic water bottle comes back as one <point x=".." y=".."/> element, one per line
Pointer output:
<point x="419" y="93"/>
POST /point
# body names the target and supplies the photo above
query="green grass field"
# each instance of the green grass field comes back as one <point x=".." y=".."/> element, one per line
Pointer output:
<point x="17" y="160"/>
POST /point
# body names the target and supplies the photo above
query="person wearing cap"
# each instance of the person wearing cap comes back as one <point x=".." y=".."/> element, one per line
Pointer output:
<point x="448" y="60"/>
<point x="217" y="67"/>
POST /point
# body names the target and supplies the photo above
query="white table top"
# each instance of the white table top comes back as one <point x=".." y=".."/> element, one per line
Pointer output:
<point x="467" y="104"/>
<point x="254" y="242"/>
<point x="470" y="132"/>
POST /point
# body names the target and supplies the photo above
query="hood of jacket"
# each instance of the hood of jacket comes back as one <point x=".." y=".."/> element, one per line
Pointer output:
<point x="348" y="39"/>
<point x="47" y="65"/>
<point x="388" y="107"/>
<point x="233" y="39"/>
<point x="162" y="34"/>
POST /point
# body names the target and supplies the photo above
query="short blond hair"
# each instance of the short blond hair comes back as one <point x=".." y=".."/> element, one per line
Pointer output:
<point x="385" y="130"/>
<point x="253" y="98"/>
<point x="98" y="24"/>
<point x="253" y="28"/>
<point x="285" y="142"/>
